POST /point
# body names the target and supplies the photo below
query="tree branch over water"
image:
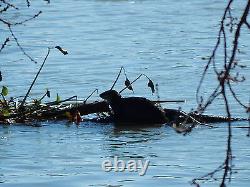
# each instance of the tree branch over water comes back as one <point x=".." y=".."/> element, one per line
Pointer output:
<point x="10" y="24"/>
<point x="225" y="81"/>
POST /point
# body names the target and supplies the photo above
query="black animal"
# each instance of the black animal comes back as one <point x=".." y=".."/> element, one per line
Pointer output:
<point x="137" y="110"/>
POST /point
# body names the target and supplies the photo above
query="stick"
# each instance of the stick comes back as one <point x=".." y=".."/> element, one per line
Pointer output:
<point x="194" y="120"/>
<point x="170" y="101"/>
<point x="96" y="90"/>
<point x="27" y="94"/>
<point x="142" y="74"/>
<point x="55" y="102"/>
<point x="131" y="83"/>
<point x="116" y="78"/>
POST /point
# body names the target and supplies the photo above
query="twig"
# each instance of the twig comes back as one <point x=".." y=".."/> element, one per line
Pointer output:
<point x="228" y="161"/>
<point x="19" y="45"/>
<point x="248" y="111"/>
<point x="9" y="4"/>
<point x="235" y="96"/>
<point x="247" y="24"/>
<point x="116" y="78"/>
<point x="142" y="74"/>
<point x="4" y="44"/>
<point x="224" y="81"/>
<point x="96" y="90"/>
<point x="62" y="101"/>
<point x="211" y="58"/>
<point x="28" y="3"/>
<point x="131" y="83"/>
<point x="169" y="101"/>
<point x="26" y="20"/>
<point x="27" y="94"/>
<point x="4" y="9"/>
<point x="4" y="100"/>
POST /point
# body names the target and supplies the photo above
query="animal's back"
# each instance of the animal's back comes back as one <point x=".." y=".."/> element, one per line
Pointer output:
<point x="139" y="110"/>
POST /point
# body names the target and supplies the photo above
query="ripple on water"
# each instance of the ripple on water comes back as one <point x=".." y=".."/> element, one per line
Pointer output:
<point x="166" y="40"/>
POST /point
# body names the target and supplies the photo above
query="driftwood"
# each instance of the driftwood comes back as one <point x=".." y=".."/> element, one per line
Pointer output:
<point x="68" y="111"/>
<point x="83" y="109"/>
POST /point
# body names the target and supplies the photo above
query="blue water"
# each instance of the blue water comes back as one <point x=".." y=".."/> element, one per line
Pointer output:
<point x="165" y="40"/>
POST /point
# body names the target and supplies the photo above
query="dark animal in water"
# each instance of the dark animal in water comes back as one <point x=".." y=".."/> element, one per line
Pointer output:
<point x="137" y="110"/>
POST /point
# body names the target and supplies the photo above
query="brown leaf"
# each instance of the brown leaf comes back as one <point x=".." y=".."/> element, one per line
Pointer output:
<point x="128" y="84"/>
<point x="63" y="51"/>
<point x="151" y="85"/>
<point x="48" y="93"/>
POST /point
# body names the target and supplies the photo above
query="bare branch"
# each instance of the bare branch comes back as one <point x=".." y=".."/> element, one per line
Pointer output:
<point x="211" y="58"/>
<point x="19" y="45"/>
<point x="9" y="4"/>
<point x="235" y="96"/>
<point x="4" y="44"/>
<point x="4" y="9"/>
<point x="224" y="80"/>
<point x="5" y="22"/>
<point x="28" y="3"/>
<point x="27" y="94"/>
<point x="29" y="19"/>
<point x="247" y="24"/>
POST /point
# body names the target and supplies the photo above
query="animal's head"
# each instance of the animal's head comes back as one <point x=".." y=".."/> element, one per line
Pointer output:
<point x="110" y="95"/>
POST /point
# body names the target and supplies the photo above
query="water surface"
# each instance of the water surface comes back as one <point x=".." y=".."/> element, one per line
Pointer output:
<point x="165" y="40"/>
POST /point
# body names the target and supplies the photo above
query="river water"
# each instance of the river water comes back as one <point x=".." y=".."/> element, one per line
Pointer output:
<point x="166" y="40"/>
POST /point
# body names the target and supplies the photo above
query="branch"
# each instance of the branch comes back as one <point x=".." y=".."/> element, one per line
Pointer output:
<point x="235" y="96"/>
<point x="247" y="24"/>
<point x="4" y="9"/>
<point x="131" y="83"/>
<point x="28" y="3"/>
<point x="27" y="94"/>
<point x="26" y="20"/>
<point x="211" y="58"/>
<point x="4" y="44"/>
<point x="19" y="45"/>
<point x="9" y="4"/>
<point x="116" y="78"/>
<point x="5" y="22"/>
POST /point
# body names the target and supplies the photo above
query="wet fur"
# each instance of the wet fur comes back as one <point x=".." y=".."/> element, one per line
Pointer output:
<point x="133" y="109"/>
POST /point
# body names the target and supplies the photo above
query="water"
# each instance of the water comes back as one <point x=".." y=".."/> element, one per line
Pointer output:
<point x="165" y="40"/>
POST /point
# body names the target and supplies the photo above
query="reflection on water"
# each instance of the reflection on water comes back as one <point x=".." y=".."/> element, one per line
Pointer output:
<point x="62" y="155"/>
